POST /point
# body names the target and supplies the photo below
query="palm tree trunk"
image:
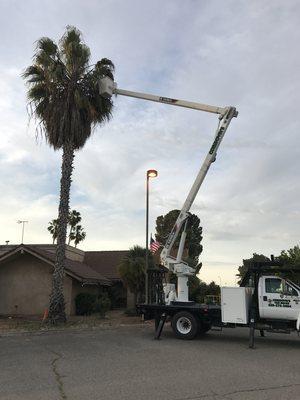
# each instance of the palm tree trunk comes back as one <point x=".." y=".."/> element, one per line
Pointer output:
<point x="57" y="302"/>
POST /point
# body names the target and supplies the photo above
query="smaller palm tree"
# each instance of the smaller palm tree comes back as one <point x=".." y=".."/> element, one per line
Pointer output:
<point x="132" y="271"/>
<point x="53" y="229"/>
<point x="76" y="232"/>
<point x="78" y="235"/>
<point x="74" y="219"/>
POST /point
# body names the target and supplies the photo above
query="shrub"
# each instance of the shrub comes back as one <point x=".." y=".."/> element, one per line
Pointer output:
<point x="103" y="304"/>
<point x="85" y="303"/>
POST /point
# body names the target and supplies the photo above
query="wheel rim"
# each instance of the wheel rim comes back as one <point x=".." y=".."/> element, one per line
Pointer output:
<point x="184" y="325"/>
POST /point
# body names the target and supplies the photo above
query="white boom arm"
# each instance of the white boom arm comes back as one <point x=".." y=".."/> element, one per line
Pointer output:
<point x="107" y="87"/>
<point x="176" y="265"/>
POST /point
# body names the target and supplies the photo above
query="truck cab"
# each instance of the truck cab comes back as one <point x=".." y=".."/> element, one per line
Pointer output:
<point x="278" y="298"/>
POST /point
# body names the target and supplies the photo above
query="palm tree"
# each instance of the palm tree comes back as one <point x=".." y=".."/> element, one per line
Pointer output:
<point x="63" y="95"/>
<point x="53" y="228"/>
<point x="74" y="219"/>
<point x="132" y="270"/>
<point x="78" y="235"/>
<point x="76" y="232"/>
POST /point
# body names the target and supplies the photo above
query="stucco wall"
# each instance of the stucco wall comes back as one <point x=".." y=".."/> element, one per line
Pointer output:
<point x="25" y="286"/>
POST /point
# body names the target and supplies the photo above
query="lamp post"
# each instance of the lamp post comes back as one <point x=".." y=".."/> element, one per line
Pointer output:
<point x="151" y="173"/>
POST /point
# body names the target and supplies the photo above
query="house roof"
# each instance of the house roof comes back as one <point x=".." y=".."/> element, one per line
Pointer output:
<point x="106" y="262"/>
<point x="78" y="270"/>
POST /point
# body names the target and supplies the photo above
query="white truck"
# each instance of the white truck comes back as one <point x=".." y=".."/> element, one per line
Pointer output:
<point x="278" y="299"/>
<point x="270" y="303"/>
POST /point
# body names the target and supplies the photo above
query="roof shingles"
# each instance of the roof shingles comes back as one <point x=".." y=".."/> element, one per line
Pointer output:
<point x="80" y="270"/>
<point x="106" y="262"/>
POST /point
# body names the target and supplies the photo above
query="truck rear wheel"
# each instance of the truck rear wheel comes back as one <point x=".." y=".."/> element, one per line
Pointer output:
<point x="185" y="325"/>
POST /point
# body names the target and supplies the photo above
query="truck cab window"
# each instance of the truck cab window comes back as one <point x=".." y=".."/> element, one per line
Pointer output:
<point x="273" y="285"/>
<point x="290" y="291"/>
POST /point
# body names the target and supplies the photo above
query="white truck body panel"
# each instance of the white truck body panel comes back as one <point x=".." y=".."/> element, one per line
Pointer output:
<point x="235" y="303"/>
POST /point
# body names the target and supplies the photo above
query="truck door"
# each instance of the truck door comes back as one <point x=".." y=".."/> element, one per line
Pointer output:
<point x="272" y="302"/>
<point x="278" y="299"/>
<point x="292" y="296"/>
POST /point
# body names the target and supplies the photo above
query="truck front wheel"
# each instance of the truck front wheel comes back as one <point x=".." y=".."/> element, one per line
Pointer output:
<point x="185" y="325"/>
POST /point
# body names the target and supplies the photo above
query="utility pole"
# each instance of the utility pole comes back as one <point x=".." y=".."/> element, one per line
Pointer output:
<point x="23" y="227"/>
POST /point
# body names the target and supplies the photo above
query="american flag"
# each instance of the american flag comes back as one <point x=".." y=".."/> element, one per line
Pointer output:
<point x="154" y="245"/>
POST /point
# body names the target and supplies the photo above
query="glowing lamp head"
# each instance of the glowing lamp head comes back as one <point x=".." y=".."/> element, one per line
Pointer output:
<point x="152" y="173"/>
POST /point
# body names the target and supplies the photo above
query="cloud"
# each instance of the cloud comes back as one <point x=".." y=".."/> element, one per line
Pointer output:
<point x="238" y="53"/>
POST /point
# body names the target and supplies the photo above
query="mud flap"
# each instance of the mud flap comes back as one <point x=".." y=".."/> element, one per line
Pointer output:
<point x="298" y="324"/>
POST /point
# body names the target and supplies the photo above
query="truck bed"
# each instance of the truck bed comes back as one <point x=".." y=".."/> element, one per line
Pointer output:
<point x="207" y="313"/>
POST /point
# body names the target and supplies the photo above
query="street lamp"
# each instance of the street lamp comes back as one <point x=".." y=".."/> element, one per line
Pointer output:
<point x="151" y="173"/>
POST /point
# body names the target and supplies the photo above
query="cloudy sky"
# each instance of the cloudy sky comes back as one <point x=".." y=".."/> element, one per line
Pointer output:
<point x="234" y="52"/>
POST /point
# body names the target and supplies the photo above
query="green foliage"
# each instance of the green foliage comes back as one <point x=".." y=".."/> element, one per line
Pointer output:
<point x="63" y="96"/>
<point x="78" y="235"/>
<point x="198" y="290"/>
<point x="164" y="225"/>
<point x="73" y="220"/>
<point x="85" y="303"/>
<point x="242" y="269"/>
<point x="289" y="258"/>
<point x="117" y="294"/>
<point x="76" y="232"/>
<point x="103" y="304"/>
<point x="53" y="229"/>
<point x="132" y="269"/>
<point x="63" y="89"/>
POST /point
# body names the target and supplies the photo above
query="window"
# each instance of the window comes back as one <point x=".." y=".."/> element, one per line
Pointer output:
<point x="290" y="291"/>
<point x="273" y="285"/>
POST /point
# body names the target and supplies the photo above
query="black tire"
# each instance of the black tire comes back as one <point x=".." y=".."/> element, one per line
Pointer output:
<point x="185" y="325"/>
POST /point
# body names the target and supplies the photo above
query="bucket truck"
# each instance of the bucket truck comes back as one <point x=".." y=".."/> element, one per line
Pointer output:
<point x="107" y="87"/>
<point x="265" y="301"/>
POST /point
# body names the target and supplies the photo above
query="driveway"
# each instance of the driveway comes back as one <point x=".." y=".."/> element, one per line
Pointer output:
<point x="126" y="363"/>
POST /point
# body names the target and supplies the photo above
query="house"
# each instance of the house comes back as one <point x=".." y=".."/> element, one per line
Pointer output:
<point x="26" y="277"/>
<point x="106" y="263"/>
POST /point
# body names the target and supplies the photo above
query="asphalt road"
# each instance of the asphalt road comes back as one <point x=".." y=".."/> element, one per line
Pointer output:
<point x="126" y="363"/>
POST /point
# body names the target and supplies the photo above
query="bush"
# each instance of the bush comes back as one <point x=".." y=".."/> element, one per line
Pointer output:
<point x="103" y="304"/>
<point x="85" y="303"/>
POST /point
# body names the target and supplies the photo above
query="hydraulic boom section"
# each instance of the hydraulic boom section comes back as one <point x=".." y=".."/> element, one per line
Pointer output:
<point x="107" y="87"/>
<point x="177" y="265"/>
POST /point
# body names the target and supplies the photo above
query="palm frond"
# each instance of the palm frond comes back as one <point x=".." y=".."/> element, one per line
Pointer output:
<point x="74" y="53"/>
<point x="46" y="45"/>
<point x="63" y="90"/>
<point x="37" y="92"/>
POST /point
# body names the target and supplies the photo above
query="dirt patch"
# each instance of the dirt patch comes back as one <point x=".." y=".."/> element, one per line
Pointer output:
<point x="113" y="318"/>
